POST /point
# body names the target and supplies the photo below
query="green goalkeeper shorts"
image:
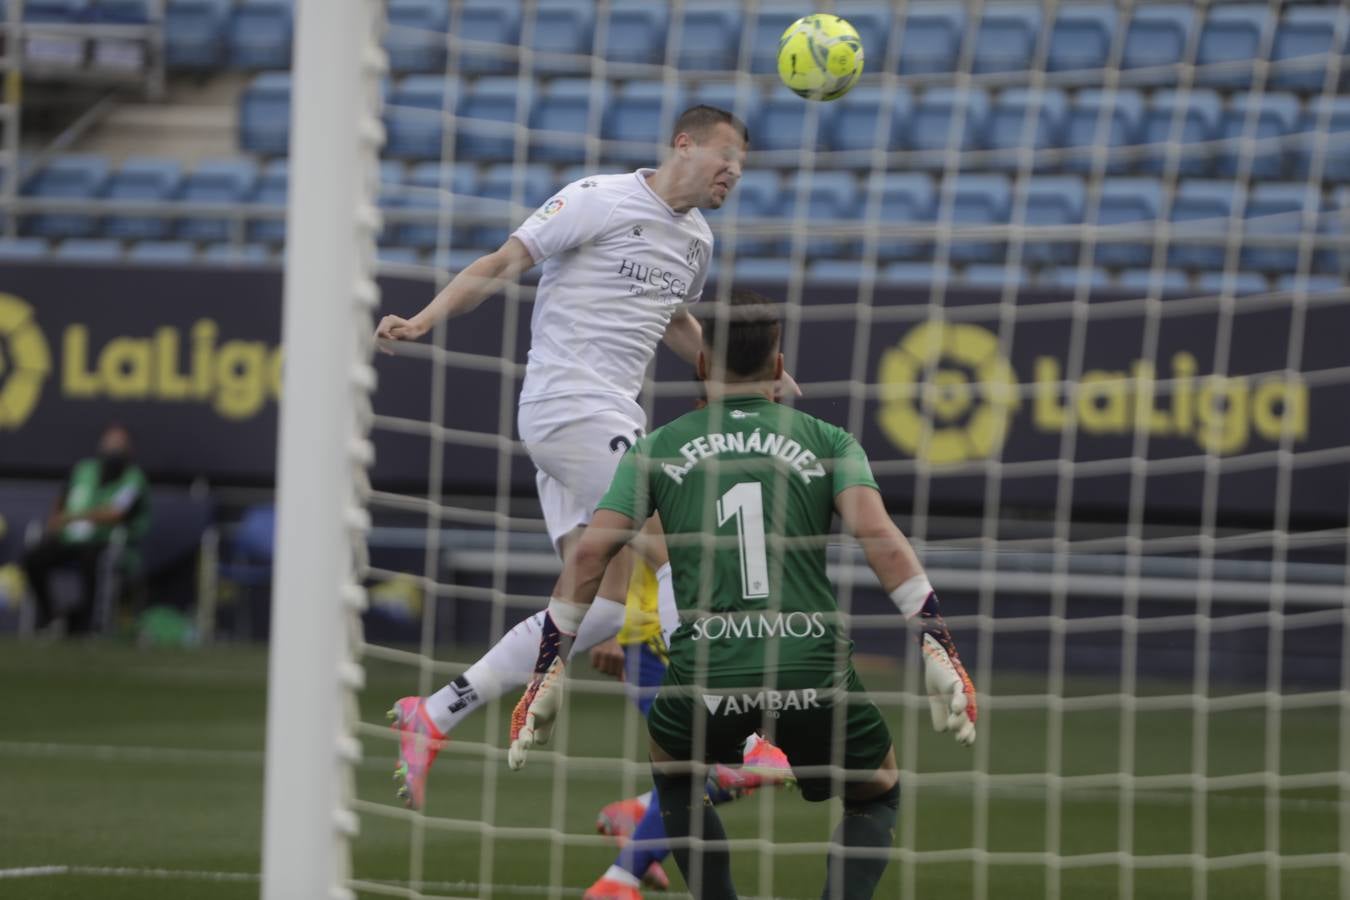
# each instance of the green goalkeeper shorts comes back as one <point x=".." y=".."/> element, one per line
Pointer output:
<point x="801" y="714"/>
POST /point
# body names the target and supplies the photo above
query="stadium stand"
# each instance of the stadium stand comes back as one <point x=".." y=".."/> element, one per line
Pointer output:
<point x="1242" y="141"/>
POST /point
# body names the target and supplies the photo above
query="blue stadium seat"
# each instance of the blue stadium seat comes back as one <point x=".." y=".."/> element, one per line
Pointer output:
<point x="1162" y="282"/>
<point x="216" y="181"/>
<point x="637" y="31"/>
<point x="55" y="10"/>
<point x="858" y="123"/>
<point x="142" y="179"/>
<point x="838" y="272"/>
<point x="25" y="248"/>
<point x="237" y="254"/>
<point x="785" y="122"/>
<point x="935" y="126"/>
<point x="562" y="27"/>
<point x="265" y="114"/>
<point x="74" y="177"/>
<point x="637" y="114"/>
<point x="403" y="256"/>
<point x="913" y="274"/>
<point x="1205" y="207"/>
<point x="1275" y="209"/>
<point x="195" y="33"/>
<point x="1304" y="41"/>
<point x="562" y="119"/>
<point x="415" y="116"/>
<point x="930" y="37"/>
<point x="499" y="183"/>
<point x="1052" y="200"/>
<point x="759" y="196"/>
<point x="1273" y="116"/>
<point x="1313" y="284"/>
<point x="120" y="12"/>
<point x="270" y="191"/>
<point x="489" y="114"/>
<point x="1005" y="40"/>
<point x="431" y="188"/>
<point x="1157" y="38"/>
<point x="1119" y="114"/>
<point x="768" y="270"/>
<point x="1243" y="283"/>
<point x="975" y="200"/>
<point x="873" y="20"/>
<point x="709" y="35"/>
<point x="89" y="250"/>
<point x="992" y="276"/>
<point x="1232" y="37"/>
<point x="828" y="197"/>
<point x="1188" y="119"/>
<point x="1127" y="201"/>
<point x="1072" y="278"/>
<point x="576" y="173"/>
<point x="1007" y="124"/>
<point x="745" y="102"/>
<point x="767" y="26"/>
<point x="415" y="37"/>
<point x="163" y="253"/>
<point x="537" y="184"/>
<point x="1081" y="37"/>
<point x="260" y="34"/>
<point x="487" y="22"/>
<point x="1331" y="114"/>
<point x="900" y="198"/>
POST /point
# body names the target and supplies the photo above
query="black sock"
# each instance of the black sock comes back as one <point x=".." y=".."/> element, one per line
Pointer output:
<point x="677" y="795"/>
<point x="870" y="823"/>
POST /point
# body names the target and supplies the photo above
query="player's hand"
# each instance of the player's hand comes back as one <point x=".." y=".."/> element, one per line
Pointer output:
<point x="535" y="715"/>
<point x="951" y="693"/>
<point x="608" y="659"/>
<point x="397" y="328"/>
<point x="786" y="386"/>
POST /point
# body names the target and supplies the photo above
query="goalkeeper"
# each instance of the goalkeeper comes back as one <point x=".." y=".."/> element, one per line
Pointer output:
<point x="758" y="645"/>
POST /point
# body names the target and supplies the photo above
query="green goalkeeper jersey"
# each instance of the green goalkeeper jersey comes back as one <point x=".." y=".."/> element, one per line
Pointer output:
<point x="745" y="488"/>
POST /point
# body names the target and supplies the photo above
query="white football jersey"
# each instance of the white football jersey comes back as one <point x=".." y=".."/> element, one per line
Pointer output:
<point x="618" y="262"/>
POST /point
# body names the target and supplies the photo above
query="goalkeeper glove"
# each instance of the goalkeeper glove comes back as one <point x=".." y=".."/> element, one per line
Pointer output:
<point x="951" y="693"/>
<point x="534" y="716"/>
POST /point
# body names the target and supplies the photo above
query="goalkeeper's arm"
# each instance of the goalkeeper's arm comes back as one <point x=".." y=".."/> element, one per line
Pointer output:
<point x="532" y="723"/>
<point x="951" y="693"/>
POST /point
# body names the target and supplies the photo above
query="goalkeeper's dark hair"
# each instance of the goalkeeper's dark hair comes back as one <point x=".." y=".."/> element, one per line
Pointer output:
<point x="752" y="330"/>
<point x="699" y="121"/>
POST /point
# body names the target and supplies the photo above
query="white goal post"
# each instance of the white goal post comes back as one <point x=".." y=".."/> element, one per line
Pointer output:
<point x="330" y="296"/>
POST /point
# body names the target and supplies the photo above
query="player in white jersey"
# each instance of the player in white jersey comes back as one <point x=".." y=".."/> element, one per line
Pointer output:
<point x="623" y="256"/>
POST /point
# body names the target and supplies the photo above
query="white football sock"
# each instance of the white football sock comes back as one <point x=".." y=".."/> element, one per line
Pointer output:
<point x="508" y="665"/>
<point x="665" y="603"/>
<point x="614" y="873"/>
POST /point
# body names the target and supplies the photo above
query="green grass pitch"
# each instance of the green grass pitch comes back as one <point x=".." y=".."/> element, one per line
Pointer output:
<point x="91" y="786"/>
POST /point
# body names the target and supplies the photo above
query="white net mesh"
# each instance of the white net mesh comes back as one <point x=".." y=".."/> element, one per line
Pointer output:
<point x="1074" y="274"/>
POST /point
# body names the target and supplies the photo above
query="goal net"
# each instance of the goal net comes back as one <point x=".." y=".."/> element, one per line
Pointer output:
<point x="1074" y="274"/>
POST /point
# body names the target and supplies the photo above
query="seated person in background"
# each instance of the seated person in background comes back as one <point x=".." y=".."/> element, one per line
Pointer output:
<point x="102" y="494"/>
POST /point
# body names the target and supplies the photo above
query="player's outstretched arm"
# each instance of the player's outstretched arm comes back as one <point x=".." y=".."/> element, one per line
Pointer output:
<point x="951" y="693"/>
<point x="537" y="712"/>
<point x="475" y="283"/>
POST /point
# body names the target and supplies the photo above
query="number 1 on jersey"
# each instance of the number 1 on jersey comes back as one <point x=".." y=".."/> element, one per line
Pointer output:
<point x="745" y="501"/>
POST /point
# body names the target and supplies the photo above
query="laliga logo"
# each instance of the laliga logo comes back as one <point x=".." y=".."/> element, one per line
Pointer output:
<point x="947" y="396"/>
<point x="25" y="362"/>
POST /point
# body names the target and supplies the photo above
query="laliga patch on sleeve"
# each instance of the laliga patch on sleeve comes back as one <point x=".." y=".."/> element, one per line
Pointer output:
<point x="550" y="209"/>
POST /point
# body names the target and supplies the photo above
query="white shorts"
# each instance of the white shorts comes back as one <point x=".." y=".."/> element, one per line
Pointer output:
<point x="575" y="444"/>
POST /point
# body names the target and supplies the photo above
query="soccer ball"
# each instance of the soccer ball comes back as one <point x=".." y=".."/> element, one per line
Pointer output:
<point x="820" y="57"/>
